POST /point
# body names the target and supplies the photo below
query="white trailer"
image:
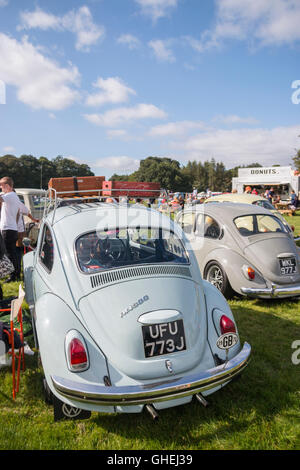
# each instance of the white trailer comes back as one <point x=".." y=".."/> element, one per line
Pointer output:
<point x="282" y="178"/>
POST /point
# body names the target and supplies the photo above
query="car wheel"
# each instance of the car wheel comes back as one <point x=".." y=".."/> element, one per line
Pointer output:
<point x="215" y="274"/>
<point x="47" y="392"/>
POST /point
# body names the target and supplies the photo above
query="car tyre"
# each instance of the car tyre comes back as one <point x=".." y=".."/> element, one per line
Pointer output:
<point x="47" y="392"/>
<point x="215" y="274"/>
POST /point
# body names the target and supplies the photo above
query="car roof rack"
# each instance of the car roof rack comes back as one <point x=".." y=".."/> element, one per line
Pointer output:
<point x="55" y="199"/>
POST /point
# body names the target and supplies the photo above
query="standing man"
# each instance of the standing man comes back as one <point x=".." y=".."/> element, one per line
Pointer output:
<point x="11" y="206"/>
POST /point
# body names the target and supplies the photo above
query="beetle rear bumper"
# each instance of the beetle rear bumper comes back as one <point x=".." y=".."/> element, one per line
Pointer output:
<point x="153" y="392"/>
<point x="274" y="291"/>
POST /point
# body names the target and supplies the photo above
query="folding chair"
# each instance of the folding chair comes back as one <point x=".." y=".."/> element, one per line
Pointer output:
<point x="5" y="308"/>
<point x="16" y="314"/>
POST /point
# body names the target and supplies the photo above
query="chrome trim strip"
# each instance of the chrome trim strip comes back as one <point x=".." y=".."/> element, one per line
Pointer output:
<point x="153" y="392"/>
<point x="273" y="291"/>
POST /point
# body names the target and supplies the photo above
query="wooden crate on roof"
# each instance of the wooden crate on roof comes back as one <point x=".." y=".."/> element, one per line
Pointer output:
<point x="131" y="189"/>
<point x="77" y="186"/>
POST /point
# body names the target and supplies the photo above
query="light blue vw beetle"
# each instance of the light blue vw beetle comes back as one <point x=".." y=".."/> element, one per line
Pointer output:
<point x="122" y="318"/>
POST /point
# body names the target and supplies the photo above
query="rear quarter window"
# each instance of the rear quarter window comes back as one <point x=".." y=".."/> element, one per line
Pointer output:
<point x="207" y="227"/>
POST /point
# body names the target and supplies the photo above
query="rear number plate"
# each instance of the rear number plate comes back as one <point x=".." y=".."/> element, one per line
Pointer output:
<point x="163" y="338"/>
<point x="287" y="266"/>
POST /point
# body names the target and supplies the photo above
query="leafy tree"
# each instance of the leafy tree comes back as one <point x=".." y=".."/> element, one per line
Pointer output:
<point x="67" y="167"/>
<point x="163" y="170"/>
<point x="47" y="170"/>
<point x="31" y="172"/>
<point x="116" y="177"/>
<point x="29" y="176"/>
<point x="9" y="166"/>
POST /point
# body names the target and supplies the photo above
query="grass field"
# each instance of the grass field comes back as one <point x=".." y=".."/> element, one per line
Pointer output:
<point x="261" y="410"/>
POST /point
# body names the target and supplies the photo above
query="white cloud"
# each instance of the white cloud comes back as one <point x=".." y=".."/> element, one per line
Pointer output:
<point x="243" y="146"/>
<point x="3" y="3"/>
<point x="38" y="19"/>
<point x="119" y="133"/>
<point x="40" y="82"/>
<point x="156" y="8"/>
<point x="120" y="164"/>
<point x="175" y="128"/>
<point x="129" y="40"/>
<point x="267" y="22"/>
<point x="113" y="90"/>
<point x="8" y="149"/>
<point x="234" y="119"/>
<point x="114" y="117"/>
<point x="123" y="135"/>
<point x="79" y="22"/>
<point x="162" y="50"/>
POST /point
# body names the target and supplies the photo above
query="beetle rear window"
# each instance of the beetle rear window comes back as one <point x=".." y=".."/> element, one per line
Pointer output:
<point x="255" y="224"/>
<point x="109" y="249"/>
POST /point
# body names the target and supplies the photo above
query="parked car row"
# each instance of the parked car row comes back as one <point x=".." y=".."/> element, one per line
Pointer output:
<point x="129" y="308"/>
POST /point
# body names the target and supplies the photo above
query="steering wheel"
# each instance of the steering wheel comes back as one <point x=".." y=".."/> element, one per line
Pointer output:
<point x="103" y="247"/>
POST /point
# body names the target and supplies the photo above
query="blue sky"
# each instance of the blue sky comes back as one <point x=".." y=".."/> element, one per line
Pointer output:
<point x="110" y="82"/>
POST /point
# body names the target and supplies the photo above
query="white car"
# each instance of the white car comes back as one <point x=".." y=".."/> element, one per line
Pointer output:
<point x="34" y="200"/>
<point x="122" y="318"/>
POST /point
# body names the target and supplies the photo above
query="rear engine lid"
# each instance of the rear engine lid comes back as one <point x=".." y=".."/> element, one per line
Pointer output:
<point x="124" y="317"/>
<point x="276" y="257"/>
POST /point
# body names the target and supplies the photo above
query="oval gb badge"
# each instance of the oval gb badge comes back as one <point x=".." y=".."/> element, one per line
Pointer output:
<point x="227" y="341"/>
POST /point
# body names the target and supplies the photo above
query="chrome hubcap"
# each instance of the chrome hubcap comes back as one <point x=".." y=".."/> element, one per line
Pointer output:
<point x="215" y="277"/>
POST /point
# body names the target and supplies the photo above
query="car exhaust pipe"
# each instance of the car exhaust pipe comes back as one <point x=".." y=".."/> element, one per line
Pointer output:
<point x="202" y="400"/>
<point x="152" y="411"/>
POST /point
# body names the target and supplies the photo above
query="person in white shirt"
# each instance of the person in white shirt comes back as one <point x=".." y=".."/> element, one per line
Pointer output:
<point x="11" y="206"/>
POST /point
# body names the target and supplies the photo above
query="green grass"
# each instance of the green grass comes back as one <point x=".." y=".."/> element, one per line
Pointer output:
<point x="295" y="221"/>
<point x="259" y="411"/>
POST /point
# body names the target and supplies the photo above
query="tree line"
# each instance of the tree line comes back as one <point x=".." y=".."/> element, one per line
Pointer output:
<point x="175" y="177"/>
<point x="28" y="171"/>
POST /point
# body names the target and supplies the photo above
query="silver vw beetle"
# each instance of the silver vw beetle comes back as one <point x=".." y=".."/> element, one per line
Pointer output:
<point x="122" y="319"/>
<point x="243" y="249"/>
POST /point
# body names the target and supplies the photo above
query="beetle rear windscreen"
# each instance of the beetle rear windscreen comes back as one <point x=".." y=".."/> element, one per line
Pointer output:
<point x="257" y="224"/>
<point x="109" y="249"/>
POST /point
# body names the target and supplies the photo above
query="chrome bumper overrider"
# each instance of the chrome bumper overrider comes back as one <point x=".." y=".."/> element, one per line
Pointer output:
<point x="273" y="291"/>
<point x="153" y="392"/>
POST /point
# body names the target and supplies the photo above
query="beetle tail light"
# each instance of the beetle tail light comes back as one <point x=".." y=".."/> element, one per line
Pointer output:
<point x="293" y="228"/>
<point x="77" y="355"/>
<point x="227" y="325"/>
<point x="251" y="273"/>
